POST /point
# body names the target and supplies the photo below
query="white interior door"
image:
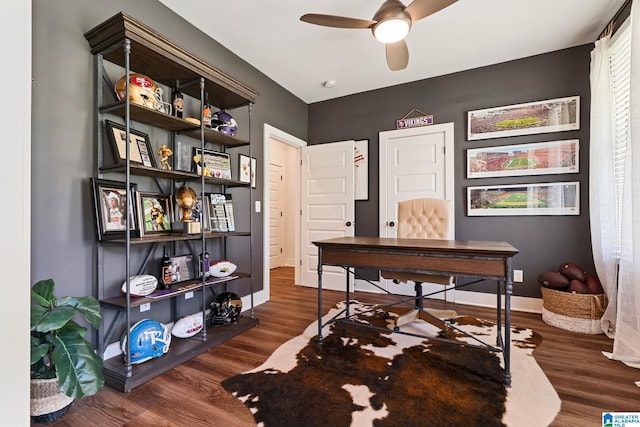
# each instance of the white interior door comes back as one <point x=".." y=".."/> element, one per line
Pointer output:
<point x="415" y="162"/>
<point x="276" y="216"/>
<point x="328" y="207"/>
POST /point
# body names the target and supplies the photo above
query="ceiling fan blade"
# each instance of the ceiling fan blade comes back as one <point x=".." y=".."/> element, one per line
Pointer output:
<point x="336" y="21"/>
<point x="397" y="55"/>
<point x="422" y="8"/>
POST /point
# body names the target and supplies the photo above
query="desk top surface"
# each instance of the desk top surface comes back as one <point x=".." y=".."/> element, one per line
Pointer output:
<point x="466" y="247"/>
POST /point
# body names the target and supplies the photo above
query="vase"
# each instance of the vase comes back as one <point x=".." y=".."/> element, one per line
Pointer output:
<point x="48" y="403"/>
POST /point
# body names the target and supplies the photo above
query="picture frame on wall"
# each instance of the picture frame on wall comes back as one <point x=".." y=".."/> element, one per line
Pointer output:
<point x="538" y="158"/>
<point x="551" y="115"/>
<point x="114" y="209"/>
<point x="556" y="198"/>
<point x="247" y="170"/>
<point x="155" y="211"/>
<point x="140" y="150"/>
<point x="361" y="168"/>
<point x="218" y="164"/>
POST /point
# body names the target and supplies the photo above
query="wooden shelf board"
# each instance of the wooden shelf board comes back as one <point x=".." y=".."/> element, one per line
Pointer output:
<point x="120" y="303"/>
<point x="180" y="351"/>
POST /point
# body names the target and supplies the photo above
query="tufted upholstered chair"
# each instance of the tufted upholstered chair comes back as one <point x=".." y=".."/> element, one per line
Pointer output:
<point x="423" y="218"/>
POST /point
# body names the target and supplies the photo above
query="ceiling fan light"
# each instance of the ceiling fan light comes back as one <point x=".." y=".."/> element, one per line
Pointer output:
<point x="391" y="30"/>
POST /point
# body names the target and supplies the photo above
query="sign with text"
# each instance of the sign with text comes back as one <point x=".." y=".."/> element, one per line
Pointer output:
<point x="410" y="122"/>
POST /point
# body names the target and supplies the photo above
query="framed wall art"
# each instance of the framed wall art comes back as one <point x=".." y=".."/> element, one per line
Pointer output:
<point x="558" y="198"/>
<point x="140" y="151"/>
<point x="155" y="211"/>
<point x="217" y="165"/>
<point x="540" y="158"/>
<point x="114" y="209"/>
<point x="245" y="173"/>
<point x="551" y="115"/>
<point x="361" y="168"/>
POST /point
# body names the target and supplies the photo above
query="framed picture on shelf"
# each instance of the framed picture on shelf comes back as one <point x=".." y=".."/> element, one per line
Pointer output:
<point x="556" y="198"/>
<point x="114" y="209"/>
<point x="216" y="165"/>
<point x="155" y="211"/>
<point x="140" y="150"/>
<point x="539" y="158"/>
<point x="550" y="115"/>
<point x="181" y="268"/>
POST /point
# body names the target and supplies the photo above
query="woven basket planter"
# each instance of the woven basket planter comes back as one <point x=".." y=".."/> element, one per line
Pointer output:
<point x="573" y="312"/>
<point x="48" y="403"/>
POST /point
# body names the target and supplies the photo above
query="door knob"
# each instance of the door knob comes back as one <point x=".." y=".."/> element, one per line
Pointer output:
<point x="348" y="223"/>
<point x="392" y="224"/>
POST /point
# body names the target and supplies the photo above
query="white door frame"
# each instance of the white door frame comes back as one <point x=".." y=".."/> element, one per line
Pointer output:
<point x="269" y="133"/>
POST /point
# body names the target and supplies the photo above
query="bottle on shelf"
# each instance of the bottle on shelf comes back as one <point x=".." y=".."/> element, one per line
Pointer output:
<point x="178" y="104"/>
<point x="165" y="270"/>
<point x="207" y="113"/>
<point x="204" y="264"/>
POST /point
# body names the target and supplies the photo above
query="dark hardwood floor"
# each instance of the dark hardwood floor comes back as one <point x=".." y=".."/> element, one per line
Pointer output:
<point x="191" y="395"/>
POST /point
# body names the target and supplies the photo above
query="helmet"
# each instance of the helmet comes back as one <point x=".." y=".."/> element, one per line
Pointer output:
<point x="149" y="339"/>
<point x="225" y="309"/>
<point x="223" y="122"/>
<point x="143" y="91"/>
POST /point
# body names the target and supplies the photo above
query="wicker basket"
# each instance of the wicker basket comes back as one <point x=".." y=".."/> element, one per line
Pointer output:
<point x="573" y="312"/>
<point x="47" y="401"/>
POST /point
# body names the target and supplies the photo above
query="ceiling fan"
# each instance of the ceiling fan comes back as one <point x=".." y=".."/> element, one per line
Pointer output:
<point x="390" y="25"/>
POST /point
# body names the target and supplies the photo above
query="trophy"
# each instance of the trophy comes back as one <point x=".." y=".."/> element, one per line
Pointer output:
<point x="186" y="199"/>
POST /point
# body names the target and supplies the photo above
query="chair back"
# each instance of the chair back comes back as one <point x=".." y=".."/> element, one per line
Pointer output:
<point x="424" y="218"/>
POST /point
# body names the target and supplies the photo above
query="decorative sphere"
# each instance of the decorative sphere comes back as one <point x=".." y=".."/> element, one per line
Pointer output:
<point x="186" y="200"/>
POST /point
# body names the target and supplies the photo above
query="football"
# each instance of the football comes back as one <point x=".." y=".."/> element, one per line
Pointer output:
<point x="141" y="285"/>
<point x="553" y="280"/>
<point x="222" y="268"/>
<point x="593" y="284"/>
<point x="188" y="326"/>
<point x="573" y="271"/>
<point x="578" y="287"/>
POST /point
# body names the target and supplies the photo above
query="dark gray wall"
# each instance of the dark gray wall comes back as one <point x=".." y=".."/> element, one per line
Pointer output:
<point x="63" y="142"/>
<point x="544" y="241"/>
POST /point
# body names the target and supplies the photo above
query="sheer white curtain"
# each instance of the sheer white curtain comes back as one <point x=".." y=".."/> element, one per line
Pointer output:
<point x="611" y="208"/>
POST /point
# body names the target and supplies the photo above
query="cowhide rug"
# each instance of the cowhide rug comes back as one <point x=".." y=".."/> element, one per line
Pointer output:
<point x="365" y="377"/>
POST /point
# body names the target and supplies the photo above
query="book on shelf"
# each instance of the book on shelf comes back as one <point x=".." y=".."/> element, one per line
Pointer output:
<point x="222" y="212"/>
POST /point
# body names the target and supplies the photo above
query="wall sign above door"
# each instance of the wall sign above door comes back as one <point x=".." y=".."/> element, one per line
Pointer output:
<point x="417" y="120"/>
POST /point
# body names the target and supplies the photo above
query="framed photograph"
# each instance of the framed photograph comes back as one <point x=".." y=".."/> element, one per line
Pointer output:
<point x="540" y="158"/>
<point x="557" y="198"/>
<point x="551" y="115"/>
<point x="155" y="211"/>
<point x="140" y="150"/>
<point x="217" y="165"/>
<point x="182" y="268"/>
<point x="114" y="209"/>
<point x="361" y="169"/>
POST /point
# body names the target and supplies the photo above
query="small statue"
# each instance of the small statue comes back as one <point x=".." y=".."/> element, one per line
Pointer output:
<point x="164" y="153"/>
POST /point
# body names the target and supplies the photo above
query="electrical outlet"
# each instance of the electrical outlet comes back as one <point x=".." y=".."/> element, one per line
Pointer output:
<point x="518" y="276"/>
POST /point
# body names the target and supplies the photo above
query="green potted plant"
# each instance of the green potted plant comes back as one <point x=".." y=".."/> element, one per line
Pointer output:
<point x="62" y="360"/>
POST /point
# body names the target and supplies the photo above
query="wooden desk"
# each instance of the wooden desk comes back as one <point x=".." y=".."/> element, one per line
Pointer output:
<point x="472" y="259"/>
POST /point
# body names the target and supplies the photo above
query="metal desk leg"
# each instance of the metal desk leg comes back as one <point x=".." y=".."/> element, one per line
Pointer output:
<point x="507" y="323"/>
<point x="320" y="295"/>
